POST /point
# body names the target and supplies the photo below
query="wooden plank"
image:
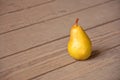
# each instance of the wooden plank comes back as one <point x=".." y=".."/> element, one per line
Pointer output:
<point x="54" y="46"/>
<point x="39" y="65"/>
<point x="12" y="6"/>
<point x="25" y="39"/>
<point x="36" y="15"/>
<point x="109" y="71"/>
<point x="104" y="67"/>
<point x="33" y="56"/>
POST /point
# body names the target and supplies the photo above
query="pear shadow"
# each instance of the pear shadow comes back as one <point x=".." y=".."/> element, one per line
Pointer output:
<point x="94" y="54"/>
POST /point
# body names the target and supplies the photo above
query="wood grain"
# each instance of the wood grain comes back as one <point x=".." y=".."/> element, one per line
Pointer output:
<point x="104" y="67"/>
<point x="11" y="6"/>
<point x="44" y="63"/>
<point x="39" y="14"/>
<point x="34" y="36"/>
<point x="25" y="39"/>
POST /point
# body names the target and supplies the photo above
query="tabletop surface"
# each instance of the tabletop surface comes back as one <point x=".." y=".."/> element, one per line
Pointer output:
<point x="34" y="36"/>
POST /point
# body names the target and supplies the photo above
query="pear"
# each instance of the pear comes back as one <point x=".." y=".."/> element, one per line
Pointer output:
<point x="79" y="44"/>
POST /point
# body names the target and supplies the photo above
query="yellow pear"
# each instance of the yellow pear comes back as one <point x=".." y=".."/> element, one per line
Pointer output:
<point x="79" y="44"/>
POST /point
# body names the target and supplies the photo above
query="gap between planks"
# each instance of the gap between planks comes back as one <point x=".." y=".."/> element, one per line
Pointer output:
<point x="27" y="7"/>
<point x="50" y="72"/>
<point x="78" y="69"/>
<point x="49" y="19"/>
<point x="106" y="38"/>
<point x="56" y="39"/>
<point x="43" y="42"/>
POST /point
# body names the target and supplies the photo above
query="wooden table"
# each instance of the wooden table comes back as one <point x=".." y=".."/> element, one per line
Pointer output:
<point x="34" y="36"/>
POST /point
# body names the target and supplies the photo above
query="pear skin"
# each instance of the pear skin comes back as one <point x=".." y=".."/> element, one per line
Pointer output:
<point x="79" y="44"/>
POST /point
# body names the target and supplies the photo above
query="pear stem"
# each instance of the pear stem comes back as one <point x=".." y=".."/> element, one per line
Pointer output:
<point x="76" y="22"/>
